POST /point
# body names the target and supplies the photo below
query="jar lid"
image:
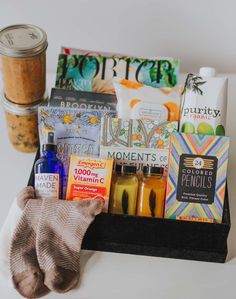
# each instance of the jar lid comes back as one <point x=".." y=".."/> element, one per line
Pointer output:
<point x="22" y="40"/>
<point x="118" y="168"/>
<point x="129" y="169"/>
<point x="21" y="109"/>
<point x="153" y="170"/>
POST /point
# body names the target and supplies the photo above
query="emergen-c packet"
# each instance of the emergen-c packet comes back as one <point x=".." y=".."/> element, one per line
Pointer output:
<point x="89" y="177"/>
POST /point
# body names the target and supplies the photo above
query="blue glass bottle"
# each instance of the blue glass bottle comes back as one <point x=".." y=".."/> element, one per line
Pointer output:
<point x="48" y="171"/>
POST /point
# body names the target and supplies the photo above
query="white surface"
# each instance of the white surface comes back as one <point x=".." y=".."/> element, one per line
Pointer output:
<point x="200" y="33"/>
<point x="144" y="276"/>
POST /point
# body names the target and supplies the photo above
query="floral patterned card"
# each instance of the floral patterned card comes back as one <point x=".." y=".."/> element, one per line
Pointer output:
<point x="142" y="142"/>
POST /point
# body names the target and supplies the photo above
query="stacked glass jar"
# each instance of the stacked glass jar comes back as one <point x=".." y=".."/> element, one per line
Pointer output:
<point x="23" y="60"/>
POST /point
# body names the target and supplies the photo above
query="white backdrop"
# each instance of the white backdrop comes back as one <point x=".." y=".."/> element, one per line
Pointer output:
<point x="199" y="32"/>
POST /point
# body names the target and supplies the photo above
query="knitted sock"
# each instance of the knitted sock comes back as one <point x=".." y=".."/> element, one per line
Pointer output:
<point x="61" y="229"/>
<point x="27" y="277"/>
<point x="24" y="196"/>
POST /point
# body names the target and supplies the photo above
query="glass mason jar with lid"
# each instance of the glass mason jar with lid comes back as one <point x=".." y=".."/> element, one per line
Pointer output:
<point x="23" y="56"/>
<point x="151" y="196"/>
<point x="125" y="191"/>
<point x="22" y="124"/>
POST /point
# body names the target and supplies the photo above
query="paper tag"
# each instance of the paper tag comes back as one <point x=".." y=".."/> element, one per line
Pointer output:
<point x="46" y="185"/>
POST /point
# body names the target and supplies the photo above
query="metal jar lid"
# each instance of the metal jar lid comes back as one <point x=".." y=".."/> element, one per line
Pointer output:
<point x="22" y="40"/>
<point x="153" y="170"/>
<point x="22" y="110"/>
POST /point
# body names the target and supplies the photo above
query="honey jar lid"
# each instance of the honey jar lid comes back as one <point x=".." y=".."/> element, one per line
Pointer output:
<point x="17" y="109"/>
<point x="153" y="170"/>
<point x="129" y="169"/>
<point x="22" y="40"/>
<point x="118" y="168"/>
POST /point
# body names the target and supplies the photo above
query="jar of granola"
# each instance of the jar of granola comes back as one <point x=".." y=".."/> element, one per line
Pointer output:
<point x="23" y="57"/>
<point x="22" y="124"/>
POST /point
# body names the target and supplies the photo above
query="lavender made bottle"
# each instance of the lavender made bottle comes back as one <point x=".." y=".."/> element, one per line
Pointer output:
<point x="48" y="171"/>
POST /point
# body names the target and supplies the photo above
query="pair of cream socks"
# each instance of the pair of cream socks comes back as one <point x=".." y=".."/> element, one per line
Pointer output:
<point x="46" y="244"/>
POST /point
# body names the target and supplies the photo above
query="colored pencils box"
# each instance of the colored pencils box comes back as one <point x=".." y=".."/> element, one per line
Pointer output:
<point x="197" y="177"/>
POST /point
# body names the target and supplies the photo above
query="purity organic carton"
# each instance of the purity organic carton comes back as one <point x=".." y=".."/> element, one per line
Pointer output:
<point x="89" y="177"/>
<point x="204" y="103"/>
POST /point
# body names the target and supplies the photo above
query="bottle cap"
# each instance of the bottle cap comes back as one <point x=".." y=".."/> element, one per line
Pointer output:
<point x="207" y="72"/>
<point x="22" y="40"/>
<point x="129" y="169"/>
<point x="153" y="170"/>
<point x="50" y="144"/>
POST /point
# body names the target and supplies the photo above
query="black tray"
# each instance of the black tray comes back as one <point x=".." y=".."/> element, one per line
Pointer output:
<point x="158" y="237"/>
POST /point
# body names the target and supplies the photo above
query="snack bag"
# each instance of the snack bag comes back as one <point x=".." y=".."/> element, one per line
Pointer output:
<point x="138" y="101"/>
<point x="77" y="132"/>
<point x="204" y="103"/>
